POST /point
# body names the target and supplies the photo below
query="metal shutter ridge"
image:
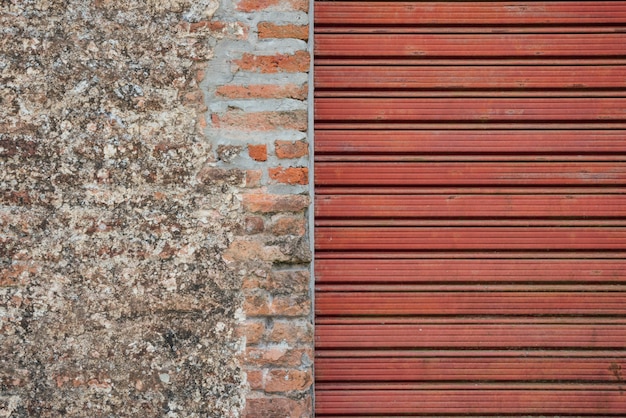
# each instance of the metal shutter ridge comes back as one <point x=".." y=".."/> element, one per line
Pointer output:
<point x="470" y="214"/>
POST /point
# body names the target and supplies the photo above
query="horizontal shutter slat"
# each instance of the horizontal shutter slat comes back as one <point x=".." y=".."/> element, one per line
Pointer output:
<point x="470" y="303"/>
<point x="517" y="78"/>
<point x="470" y="206"/>
<point x="483" y="174"/>
<point x="470" y="110"/>
<point x="459" y="238"/>
<point x="473" y="46"/>
<point x="475" y="142"/>
<point x="440" y="13"/>
<point x="477" y="401"/>
<point x="469" y="271"/>
<point x="466" y="367"/>
<point x="505" y="336"/>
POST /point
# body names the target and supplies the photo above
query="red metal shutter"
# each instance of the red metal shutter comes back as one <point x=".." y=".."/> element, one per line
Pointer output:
<point x="470" y="209"/>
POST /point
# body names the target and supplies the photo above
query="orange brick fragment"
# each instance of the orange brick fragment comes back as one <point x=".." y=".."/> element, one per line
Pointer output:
<point x="290" y="63"/>
<point x="258" y="152"/>
<point x="271" y="203"/>
<point x="262" y="305"/>
<point x="278" y="355"/>
<point x="272" y="30"/>
<point x="290" y="175"/>
<point x="282" y="5"/>
<point x="287" y="380"/>
<point x="291" y="332"/>
<point x="261" y="121"/>
<point x="289" y="225"/>
<point x="264" y="91"/>
<point x="253" y="330"/>
<point x="289" y="149"/>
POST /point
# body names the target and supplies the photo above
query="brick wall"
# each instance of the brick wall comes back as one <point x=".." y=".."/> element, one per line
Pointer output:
<point x="256" y="90"/>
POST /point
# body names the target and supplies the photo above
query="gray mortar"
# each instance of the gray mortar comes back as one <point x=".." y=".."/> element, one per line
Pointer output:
<point x="220" y="71"/>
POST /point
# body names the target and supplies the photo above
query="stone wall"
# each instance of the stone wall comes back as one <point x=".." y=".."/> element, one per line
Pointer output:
<point x="154" y="251"/>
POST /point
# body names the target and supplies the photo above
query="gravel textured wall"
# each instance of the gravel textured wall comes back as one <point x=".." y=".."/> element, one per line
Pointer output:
<point x="115" y="298"/>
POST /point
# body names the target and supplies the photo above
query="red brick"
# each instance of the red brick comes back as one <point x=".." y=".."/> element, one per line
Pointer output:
<point x="253" y="178"/>
<point x="272" y="30"/>
<point x="278" y="356"/>
<point x="278" y="407"/>
<point x="277" y="380"/>
<point x="291" y="332"/>
<point x="290" y="175"/>
<point x="282" y="5"/>
<point x="264" y="91"/>
<point x="271" y="203"/>
<point x="253" y="282"/>
<point x="290" y="281"/>
<point x="232" y="30"/>
<point x="280" y="282"/>
<point x="289" y="225"/>
<point x="261" y="121"/>
<point x="252" y="329"/>
<point x="292" y="63"/>
<point x="261" y="304"/>
<point x="292" y="305"/>
<point x="289" y="149"/>
<point x="257" y="305"/>
<point x="258" y="152"/>
<point x="256" y="379"/>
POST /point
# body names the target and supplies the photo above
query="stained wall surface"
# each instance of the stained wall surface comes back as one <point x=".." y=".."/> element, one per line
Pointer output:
<point x="154" y="253"/>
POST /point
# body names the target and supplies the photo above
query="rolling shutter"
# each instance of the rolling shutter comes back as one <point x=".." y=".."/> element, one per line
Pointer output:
<point x="470" y="215"/>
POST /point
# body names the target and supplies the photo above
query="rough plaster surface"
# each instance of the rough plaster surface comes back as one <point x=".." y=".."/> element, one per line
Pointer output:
<point x="114" y="298"/>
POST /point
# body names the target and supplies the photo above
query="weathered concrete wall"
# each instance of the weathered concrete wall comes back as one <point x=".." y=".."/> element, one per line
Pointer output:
<point x="154" y="192"/>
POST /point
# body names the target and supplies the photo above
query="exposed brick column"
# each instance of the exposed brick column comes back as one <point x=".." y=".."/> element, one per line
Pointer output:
<point x="256" y="90"/>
